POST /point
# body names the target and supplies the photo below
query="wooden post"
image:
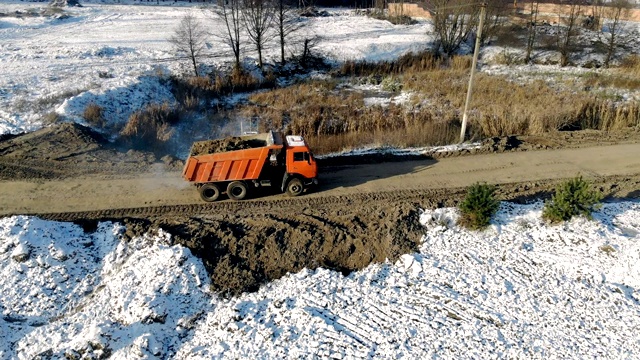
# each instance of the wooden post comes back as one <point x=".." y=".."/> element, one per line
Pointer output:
<point x="483" y="10"/>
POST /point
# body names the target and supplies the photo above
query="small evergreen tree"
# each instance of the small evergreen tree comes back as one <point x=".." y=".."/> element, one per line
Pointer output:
<point x="478" y="207"/>
<point x="573" y="198"/>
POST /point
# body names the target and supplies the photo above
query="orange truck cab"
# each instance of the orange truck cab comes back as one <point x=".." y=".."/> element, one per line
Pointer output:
<point x="286" y="163"/>
<point x="300" y="164"/>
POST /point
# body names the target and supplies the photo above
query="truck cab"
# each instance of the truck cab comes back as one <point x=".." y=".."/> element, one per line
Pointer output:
<point x="302" y="169"/>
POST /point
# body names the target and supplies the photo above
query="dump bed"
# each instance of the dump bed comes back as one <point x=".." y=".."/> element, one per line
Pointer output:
<point x="245" y="164"/>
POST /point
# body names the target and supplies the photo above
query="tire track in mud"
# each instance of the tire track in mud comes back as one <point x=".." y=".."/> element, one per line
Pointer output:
<point x="253" y="205"/>
<point x="611" y="186"/>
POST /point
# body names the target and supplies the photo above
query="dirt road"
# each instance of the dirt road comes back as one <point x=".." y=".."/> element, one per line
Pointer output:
<point x="160" y="188"/>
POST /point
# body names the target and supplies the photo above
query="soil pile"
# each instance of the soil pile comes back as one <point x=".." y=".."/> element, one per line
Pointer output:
<point x="227" y="144"/>
<point x="66" y="150"/>
<point x="242" y="251"/>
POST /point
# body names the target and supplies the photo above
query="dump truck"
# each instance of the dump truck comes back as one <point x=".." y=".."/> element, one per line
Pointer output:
<point x="262" y="160"/>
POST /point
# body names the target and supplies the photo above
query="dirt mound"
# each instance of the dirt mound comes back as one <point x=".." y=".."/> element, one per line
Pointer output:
<point x="56" y="142"/>
<point x="500" y="144"/>
<point x="222" y="145"/>
<point x="242" y="251"/>
<point x="66" y="150"/>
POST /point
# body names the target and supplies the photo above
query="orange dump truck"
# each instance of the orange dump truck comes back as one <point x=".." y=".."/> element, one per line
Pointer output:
<point x="284" y="162"/>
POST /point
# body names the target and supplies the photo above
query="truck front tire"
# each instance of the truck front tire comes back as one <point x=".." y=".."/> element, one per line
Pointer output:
<point x="295" y="187"/>
<point x="237" y="190"/>
<point x="209" y="192"/>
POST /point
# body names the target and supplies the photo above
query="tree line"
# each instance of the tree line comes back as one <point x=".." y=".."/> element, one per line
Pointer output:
<point x="260" y="23"/>
<point x="246" y="22"/>
<point x="455" y="21"/>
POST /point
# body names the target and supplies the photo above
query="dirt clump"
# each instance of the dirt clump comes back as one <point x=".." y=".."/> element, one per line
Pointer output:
<point x="242" y="252"/>
<point x="222" y="145"/>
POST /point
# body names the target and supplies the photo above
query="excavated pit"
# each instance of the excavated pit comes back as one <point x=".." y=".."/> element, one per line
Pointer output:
<point x="241" y="251"/>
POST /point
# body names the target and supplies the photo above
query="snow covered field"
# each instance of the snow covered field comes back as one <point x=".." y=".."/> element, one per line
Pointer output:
<point x="520" y="289"/>
<point x="116" y="55"/>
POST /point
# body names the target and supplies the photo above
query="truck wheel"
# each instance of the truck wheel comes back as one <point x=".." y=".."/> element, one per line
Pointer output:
<point x="237" y="190"/>
<point x="209" y="192"/>
<point x="295" y="187"/>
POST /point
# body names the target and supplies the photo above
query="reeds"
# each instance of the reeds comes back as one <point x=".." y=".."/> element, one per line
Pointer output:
<point x="334" y="117"/>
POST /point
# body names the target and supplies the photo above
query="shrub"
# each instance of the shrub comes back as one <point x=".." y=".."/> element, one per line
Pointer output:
<point x="478" y="206"/>
<point x="507" y="57"/>
<point x="93" y="115"/>
<point x="391" y="84"/>
<point x="572" y="198"/>
<point x="150" y="127"/>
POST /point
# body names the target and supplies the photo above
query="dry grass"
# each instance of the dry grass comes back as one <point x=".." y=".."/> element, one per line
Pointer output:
<point x="333" y="119"/>
<point x="407" y="63"/>
<point x="51" y="118"/>
<point x="150" y="127"/>
<point x="621" y="79"/>
<point x="417" y="136"/>
<point x="93" y="115"/>
<point x="631" y="65"/>
<point x="626" y="76"/>
<point x="192" y="91"/>
<point x="501" y="107"/>
<point x="606" y="115"/>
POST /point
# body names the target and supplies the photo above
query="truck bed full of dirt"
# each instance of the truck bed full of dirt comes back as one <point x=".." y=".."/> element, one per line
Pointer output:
<point x="222" y="145"/>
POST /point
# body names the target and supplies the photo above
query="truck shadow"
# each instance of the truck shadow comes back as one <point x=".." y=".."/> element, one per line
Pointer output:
<point x="350" y="171"/>
<point x="358" y="170"/>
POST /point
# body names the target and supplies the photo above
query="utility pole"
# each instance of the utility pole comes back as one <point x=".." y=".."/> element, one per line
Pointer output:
<point x="483" y="10"/>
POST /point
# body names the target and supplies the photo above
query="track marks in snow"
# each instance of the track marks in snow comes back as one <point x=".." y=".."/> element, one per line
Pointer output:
<point x="465" y="295"/>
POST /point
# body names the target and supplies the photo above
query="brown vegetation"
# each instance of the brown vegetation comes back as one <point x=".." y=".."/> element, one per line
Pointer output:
<point x="333" y="118"/>
<point x="408" y="63"/>
<point x="191" y="91"/>
<point x="150" y="127"/>
<point x="93" y="115"/>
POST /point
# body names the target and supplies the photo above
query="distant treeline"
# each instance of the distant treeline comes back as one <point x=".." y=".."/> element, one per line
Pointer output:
<point x="300" y="3"/>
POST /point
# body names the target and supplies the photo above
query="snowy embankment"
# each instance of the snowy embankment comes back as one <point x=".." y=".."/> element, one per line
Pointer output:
<point x="520" y="289"/>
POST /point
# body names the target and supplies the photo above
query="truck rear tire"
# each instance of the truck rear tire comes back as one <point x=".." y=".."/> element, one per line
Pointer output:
<point x="295" y="187"/>
<point x="209" y="192"/>
<point x="237" y="190"/>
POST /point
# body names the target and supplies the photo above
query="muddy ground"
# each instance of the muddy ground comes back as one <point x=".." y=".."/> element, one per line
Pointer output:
<point x="344" y="225"/>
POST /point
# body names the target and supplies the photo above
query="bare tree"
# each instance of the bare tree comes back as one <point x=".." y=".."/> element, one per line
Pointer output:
<point x="257" y="16"/>
<point x="595" y="19"/>
<point x="532" y="23"/>
<point x="615" y="28"/>
<point x="568" y="30"/>
<point x="453" y="21"/>
<point x="287" y="22"/>
<point x="497" y="11"/>
<point x="229" y="12"/>
<point x="189" y="38"/>
<point x="309" y="43"/>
